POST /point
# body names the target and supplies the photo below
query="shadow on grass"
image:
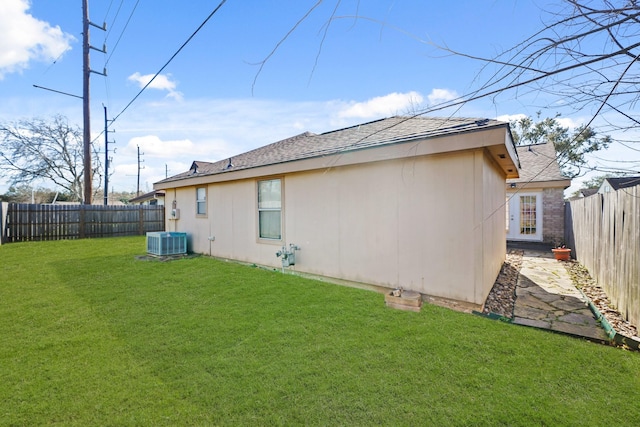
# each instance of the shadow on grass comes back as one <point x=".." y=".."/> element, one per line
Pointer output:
<point x="201" y="341"/>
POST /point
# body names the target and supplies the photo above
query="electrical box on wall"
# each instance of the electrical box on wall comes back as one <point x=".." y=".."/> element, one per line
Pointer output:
<point x="175" y="214"/>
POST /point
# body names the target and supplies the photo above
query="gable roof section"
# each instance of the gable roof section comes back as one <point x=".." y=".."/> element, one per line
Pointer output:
<point x="623" y="182"/>
<point x="586" y="192"/>
<point x="308" y="145"/>
<point x="539" y="165"/>
<point x="147" y="196"/>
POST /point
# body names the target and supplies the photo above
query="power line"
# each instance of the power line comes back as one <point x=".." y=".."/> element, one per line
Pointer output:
<point x="112" y="51"/>
<point x="109" y="9"/>
<point x="115" y="46"/>
<point x="170" y="59"/>
<point x="114" y="18"/>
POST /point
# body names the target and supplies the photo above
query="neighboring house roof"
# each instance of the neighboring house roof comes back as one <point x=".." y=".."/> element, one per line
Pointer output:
<point x="583" y="192"/>
<point x="623" y="182"/>
<point x="147" y="196"/>
<point x="308" y="145"/>
<point x="539" y="165"/>
<point x="586" y="192"/>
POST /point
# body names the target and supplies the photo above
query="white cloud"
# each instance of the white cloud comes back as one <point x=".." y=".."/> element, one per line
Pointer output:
<point x="568" y="122"/>
<point x="383" y="106"/>
<point x="24" y="38"/>
<point x="173" y="135"/>
<point x="157" y="158"/>
<point x="511" y="117"/>
<point x="438" y="96"/>
<point x="129" y="169"/>
<point x="153" y="146"/>
<point x="161" y="82"/>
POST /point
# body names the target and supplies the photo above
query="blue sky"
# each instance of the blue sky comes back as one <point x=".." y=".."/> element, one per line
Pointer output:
<point x="213" y="101"/>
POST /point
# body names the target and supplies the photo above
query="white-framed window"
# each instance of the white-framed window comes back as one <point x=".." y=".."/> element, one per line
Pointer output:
<point x="270" y="209"/>
<point x="528" y="214"/>
<point x="201" y="201"/>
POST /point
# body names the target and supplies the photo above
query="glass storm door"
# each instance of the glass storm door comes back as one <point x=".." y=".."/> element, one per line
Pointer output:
<point x="524" y="216"/>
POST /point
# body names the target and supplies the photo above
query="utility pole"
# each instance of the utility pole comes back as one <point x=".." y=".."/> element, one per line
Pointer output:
<point x="86" y="72"/>
<point x="106" y="157"/>
<point x="139" y="168"/>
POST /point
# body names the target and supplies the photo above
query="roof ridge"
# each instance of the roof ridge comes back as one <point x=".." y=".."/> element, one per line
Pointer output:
<point x="381" y="132"/>
<point x="356" y="126"/>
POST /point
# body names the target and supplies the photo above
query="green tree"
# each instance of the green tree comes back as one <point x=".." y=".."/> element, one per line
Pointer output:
<point x="571" y="145"/>
<point x="27" y="194"/>
<point x="596" y="181"/>
<point x="115" y="196"/>
<point x="592" y="183"/>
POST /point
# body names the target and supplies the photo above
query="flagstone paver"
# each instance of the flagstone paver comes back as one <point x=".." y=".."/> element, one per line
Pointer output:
<point x="546" y="298"/>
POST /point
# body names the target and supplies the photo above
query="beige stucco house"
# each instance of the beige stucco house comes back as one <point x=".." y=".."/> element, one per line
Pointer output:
<point x="416" y="203"/>
<point x="535" y="200"/>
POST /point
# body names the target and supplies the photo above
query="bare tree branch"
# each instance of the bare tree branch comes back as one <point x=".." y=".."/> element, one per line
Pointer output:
<point x="50" y="151"/>
<point x="324" y="37"/>
<point x="281" y="41"/>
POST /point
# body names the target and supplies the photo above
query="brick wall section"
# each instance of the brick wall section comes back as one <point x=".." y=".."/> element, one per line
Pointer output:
<point x="553" y="215"/>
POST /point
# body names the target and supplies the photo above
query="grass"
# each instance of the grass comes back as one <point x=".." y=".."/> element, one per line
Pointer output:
<point x="91" y="336"/>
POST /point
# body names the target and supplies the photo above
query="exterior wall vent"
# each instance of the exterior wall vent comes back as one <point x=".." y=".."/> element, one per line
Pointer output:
<point x="166" y="243"/>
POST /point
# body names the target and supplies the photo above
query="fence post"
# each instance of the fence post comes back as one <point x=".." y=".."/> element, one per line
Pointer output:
<point x="1" y="223"/>
<point x="141" y="221"/>
<point x="568" y="228"/>
<point x="82" y="222"/>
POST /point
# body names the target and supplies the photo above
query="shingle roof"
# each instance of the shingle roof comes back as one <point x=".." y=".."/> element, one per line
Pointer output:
<point x="147" y="196"/>
<point x="624" y="182"/>
<point x="538" y="163"/>
<point x="307" y="145"/>
<point x="586" y="192"/>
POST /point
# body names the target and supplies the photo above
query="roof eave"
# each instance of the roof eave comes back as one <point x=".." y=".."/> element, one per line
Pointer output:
<point x="506" y="158"/>
<point x="564" y="183"/>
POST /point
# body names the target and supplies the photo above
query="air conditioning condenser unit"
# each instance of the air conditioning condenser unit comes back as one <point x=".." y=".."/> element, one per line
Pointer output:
<point x="163" y="243"/>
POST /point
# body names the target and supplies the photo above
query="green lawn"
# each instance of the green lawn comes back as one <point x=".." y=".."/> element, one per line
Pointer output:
<point x="91" y="336"/>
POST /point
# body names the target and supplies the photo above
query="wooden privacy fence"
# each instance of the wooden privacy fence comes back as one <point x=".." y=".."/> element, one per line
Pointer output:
<point x="26" y="222"/>
<point x="604" y="231"/>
